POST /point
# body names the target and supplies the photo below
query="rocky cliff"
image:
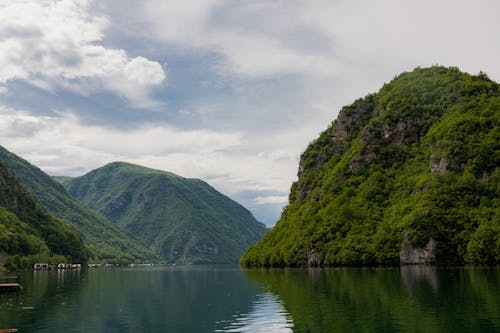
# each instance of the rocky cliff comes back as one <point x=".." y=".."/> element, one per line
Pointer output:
<point x="409" y="174"/>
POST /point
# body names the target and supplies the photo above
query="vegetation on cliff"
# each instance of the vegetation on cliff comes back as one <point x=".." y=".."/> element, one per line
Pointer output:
<point x="183" y="220"/>
<point x="417" y="161"/>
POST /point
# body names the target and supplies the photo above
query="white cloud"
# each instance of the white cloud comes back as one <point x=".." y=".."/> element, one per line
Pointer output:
<point x="144" y="72"/>
<point x="326" y="39"/>
<point x="255" y="37"/>
<point x="63" y="145"/>
<point x="282" y="199"/>
<point x="3" y="90"/>
<point x="56" y="44"/>
<point x="38" y="135"/>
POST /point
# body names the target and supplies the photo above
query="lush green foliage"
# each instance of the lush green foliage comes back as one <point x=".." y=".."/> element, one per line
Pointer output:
<point x="419" y="159"/>
<point x="183" y="220"/>
<point x="105" y="241"/>
<point x="28" y="233"/>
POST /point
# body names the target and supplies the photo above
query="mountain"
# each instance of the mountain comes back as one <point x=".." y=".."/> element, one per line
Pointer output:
<point x="28" y="233"/>
<point x="408" y="175"/>
<point x="106" y="241"/>
<point x="183" y="220"/>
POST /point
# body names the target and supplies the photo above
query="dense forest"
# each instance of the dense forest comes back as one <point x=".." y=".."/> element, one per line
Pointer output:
<point x="413" y="167"/>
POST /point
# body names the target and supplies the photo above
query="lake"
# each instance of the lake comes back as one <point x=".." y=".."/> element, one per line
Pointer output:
<point x="229" y="299"/>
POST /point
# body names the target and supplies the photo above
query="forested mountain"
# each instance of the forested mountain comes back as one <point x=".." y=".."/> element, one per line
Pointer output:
<point x="410" y="174"/>
<point x="105" y="241"/>
<point x="183" y="220"/>
<point x="28" y="233"/>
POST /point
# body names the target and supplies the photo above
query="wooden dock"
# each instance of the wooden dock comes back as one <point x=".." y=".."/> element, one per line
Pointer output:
<point x="10" y="287"/>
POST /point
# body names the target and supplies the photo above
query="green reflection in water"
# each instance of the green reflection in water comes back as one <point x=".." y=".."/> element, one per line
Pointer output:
<point x="134" y="300"/>
<point x="406" y="299"/>
<point x="204" y="299"/>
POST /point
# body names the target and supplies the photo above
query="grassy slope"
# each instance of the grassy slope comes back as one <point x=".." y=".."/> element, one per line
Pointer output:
<point x="367" y="182"/>
<point x="184" y="220"/>
<point x="28" y="233"/>
<point x="106" y="241"/>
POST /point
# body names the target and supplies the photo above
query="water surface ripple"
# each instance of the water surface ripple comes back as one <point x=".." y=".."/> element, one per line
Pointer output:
<point x="267" y="314"/>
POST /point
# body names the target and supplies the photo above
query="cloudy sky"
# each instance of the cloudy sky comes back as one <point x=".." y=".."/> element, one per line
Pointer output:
<point x="227" y="91"/>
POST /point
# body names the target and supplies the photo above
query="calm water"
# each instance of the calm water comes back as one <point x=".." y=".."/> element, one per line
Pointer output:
<point x="203" y="299"/>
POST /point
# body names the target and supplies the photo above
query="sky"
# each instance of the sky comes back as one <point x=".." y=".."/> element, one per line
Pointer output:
<point x="230" y="92"/>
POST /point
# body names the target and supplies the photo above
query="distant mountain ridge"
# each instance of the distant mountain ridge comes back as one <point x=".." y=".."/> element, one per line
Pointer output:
<point x="183" y="220"/>
<point x="408" y="175"/>
<point x="105" y="241"/>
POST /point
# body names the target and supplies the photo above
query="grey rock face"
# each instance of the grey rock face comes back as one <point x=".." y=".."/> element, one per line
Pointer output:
<point x="409" y="255"/>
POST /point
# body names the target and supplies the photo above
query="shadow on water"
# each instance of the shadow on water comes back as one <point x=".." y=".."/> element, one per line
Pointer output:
<point x="408" y="299"/>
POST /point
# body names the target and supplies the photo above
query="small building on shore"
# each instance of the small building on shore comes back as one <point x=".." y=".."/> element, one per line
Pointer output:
<point x="41" y="266"/>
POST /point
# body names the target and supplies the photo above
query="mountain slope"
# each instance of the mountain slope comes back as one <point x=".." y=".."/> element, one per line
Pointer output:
<point x="28" y="233"/>
<point x="410" y="174"/>
<point x="184" y="220"/>
<point x="106" y="241"/>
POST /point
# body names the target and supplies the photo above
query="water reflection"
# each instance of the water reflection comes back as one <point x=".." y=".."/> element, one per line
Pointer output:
<point x="198" y="299"/>
<point x="415" y="276"/>
<point x="127" y="300"/>
<point x="267" y="314"/>
<point x="406" y="299"/>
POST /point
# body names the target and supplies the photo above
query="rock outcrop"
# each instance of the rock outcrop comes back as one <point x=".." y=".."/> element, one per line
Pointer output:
<point x="409" y="255"/>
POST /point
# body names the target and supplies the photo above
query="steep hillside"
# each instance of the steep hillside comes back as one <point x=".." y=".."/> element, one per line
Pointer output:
<point x="28" y="233"/>
<point x="106" y="241"/>
<point x="184" y="220"/>
<point x="410" y="174"/>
